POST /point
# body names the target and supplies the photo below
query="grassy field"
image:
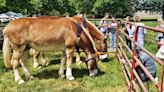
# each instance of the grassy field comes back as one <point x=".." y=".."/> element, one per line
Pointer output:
<point x="110" y="78"/>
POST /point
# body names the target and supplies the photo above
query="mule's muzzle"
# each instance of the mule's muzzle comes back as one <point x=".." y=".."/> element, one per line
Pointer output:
<point x="104" y="56"/>
<point x="93" y="72"/>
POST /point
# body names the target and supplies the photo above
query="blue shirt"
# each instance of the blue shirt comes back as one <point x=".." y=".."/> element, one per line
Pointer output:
<point x="148" y="62"/>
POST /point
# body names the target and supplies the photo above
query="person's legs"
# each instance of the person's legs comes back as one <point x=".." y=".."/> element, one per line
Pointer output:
<point x="143" y="77"/>
<point x="111" y="40"/>
<point x="114" y="41"/>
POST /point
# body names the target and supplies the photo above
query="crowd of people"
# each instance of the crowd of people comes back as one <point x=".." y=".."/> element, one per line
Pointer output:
<point x="109" y="29"/>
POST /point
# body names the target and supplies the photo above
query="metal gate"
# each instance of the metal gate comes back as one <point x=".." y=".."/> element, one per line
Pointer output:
<point x="129" y="66"/>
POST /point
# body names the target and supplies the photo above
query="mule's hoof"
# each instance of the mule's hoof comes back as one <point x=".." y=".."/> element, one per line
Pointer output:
<point x="31" y="78"/>
<point x="20" y="82"/>
<point x="62" y="76"/>
<point x="91" y="75"/>
<point x="71" y="78"/>
<point x="47" y="64"/>
<point x="35" y="66"/>
<point x="39" y="67"/>
<point x="79" y="62"/>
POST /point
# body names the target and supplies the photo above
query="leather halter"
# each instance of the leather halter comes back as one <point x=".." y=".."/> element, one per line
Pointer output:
<point x="92" y="58"/>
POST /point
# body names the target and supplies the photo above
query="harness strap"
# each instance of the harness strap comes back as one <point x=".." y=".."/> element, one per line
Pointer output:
<point x="79" y="30"/>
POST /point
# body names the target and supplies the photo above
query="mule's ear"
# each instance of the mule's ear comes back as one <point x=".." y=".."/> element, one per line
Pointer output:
<point x="80" y="15"/>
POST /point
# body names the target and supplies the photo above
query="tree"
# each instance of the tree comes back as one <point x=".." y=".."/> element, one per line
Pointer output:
<point x="149" y="5"/>
<point x="36" y="6"/>
<point x="19" y="6"/>
<point x="82" y="6"/>
<point x="2" y="5"/>
<point x="117" y="8"/>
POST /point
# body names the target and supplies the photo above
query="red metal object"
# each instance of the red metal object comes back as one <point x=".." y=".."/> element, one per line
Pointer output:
<point x="134" y="53"/>
<point x="146" y="51"/>
<point x="162" y="84"/>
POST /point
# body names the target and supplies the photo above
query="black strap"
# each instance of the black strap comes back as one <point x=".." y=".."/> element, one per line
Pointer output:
<point x="93" y="58"/>
<point x="79" y="30"/>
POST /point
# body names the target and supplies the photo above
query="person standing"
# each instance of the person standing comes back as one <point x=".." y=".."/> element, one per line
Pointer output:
<point x="127" y="29"/>
<point x="141" y="32"/>
<point x="103" y="24"/>
<point x="112" y="33"/>
<point x="159" y="35"/>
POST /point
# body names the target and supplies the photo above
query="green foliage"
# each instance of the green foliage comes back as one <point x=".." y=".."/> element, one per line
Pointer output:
<point x="151" y="5"/>
<point x="62" y="7"/>
<point x="117" y="8"/>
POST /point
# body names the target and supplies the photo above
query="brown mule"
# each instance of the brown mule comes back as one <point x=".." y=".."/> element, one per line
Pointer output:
<point x="99" y="39"/>
<point x="44" y="35"/>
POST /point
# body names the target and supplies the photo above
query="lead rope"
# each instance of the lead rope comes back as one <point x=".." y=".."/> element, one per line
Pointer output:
<point x="87" y="32"/>
<point x="89" y="36"/>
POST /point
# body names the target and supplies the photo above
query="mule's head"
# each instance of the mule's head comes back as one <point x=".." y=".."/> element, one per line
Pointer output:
<point x="92" y="66"/>
<point x="101" y="45"/>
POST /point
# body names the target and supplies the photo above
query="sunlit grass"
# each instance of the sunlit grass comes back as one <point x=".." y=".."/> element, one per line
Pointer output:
<point x="110" y="78"/>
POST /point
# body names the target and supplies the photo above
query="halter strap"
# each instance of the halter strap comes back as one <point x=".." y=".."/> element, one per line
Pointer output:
<point x="92" y="58"/>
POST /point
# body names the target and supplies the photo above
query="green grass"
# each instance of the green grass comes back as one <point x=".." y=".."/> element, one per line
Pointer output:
<point x="110" y="79"/>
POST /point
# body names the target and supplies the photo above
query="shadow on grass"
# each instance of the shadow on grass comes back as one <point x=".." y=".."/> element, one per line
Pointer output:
<point x="54" y="61"/>
<point x="77" y="73"/>
<point x="108" y="59"/>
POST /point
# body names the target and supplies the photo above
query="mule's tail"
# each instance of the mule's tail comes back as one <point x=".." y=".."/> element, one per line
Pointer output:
<point x="6" y="53"/>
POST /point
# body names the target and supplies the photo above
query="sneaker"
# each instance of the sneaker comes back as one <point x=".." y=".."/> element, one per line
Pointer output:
<point x="156" y="78"/>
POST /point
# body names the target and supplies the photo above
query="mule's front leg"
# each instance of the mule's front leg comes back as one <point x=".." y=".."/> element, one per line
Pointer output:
<point x="69" y="53"/>
<point x="15" y="63"/>
<point x="78" y="58"/>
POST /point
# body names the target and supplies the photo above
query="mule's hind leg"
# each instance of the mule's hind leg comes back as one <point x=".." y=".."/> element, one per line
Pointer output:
<point x="61" y="69"/>
<point x="42" y="59"/>
<point x="36" y="61"/>
<point x="78" y="58"/>
<point x="69" y="53"/>
<point x="23" y="61"/>
<point x="15" y="63"/>
<point x="78" y="55"/>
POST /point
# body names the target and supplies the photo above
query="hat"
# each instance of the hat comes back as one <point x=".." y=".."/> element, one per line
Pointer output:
<point x="160" y="53"/>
